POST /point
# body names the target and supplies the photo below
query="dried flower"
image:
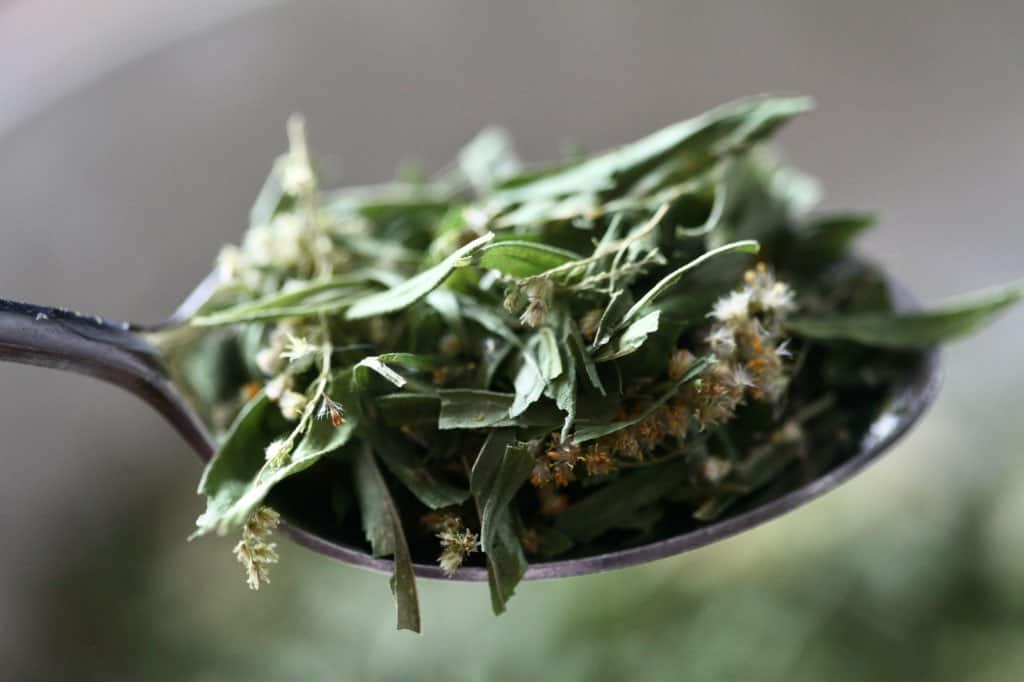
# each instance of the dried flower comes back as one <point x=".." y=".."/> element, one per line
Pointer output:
<point x="277" y="452"/>
<point x="254" y="551"/>
<point x="733" y="308"/>
<point x="457" y="543"/>
<point x="297" y="348"/>
<point x="537" y="294"/>
<point x="292" y="405"/>
<point x="722" y="341"/>
<point x="269" y="361"/>
<point x="679" y="364"/>
<point x="277" y="386"/>
<point x="717" y="394"/>
<point x="598" y="461"/>
<point x="534" y="314"/>
<point x="230" y="264"/>
<point x="297" y="177"/>
<point x="589" y="322"/>
<point x="562" y="457"/>
<point x="330" y="409"/>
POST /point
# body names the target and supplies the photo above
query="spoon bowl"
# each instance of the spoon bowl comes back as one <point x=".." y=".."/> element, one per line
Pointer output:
<point x="121" y="354"/>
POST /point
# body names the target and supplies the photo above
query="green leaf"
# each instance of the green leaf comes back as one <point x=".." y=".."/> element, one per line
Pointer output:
<point x="495" y="321"/>
<point x="500" y="470"/>
<point x="472" y="409"/>
<point x="591" y="432"/>
<point x="466" y="408"/>
<point x="619" y="302"/>
<point x="563" y="391"/>
<point x="915" y="329"/>
<point x="542" y="364"/>
<point x="694" y="143"/>
<point x="523" y="259"/>
<point x="415" y="288"/>
<point x="617" y="502"/>
<point x="827" y="239"/>
<point x="325" y="297"/>
<point x="529" y="386"/>
<point x="231" y="470"/>
<point x="631" y="338"/>
<point x="401" y="461"/>
<point x="376" y="364"/>
<point x="491" y="361"/>
<point x="321" y="438"/>
<point x="400" y="409"/>
<point x="383" y="527"/>
<point x="582" y="354"/>
<point x="379" y="365"/>
<point x="488" y="159"/>
<point x="506" y="563"/>
<point x="670" y="280"/>
<point x="496" y="493"/>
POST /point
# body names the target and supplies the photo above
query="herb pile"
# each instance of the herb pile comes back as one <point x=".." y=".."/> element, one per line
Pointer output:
<point x="500" y="365"/>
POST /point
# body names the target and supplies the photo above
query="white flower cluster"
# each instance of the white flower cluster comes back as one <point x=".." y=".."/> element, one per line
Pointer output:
<point x="744" y="340"/>
<point x="291" y="240"/>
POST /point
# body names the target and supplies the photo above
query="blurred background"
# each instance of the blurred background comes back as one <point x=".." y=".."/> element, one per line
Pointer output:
<point x="133" y="138"/>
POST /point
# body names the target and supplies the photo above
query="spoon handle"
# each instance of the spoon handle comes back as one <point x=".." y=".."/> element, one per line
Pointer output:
<point x="66" y="340"/>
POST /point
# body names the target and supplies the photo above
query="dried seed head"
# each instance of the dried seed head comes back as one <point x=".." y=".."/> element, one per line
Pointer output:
<point x="277" y="386"/>
<point x="589" y="323"/>
<point x="456" y="543"/>
<point x="231" y="264"/>
<point x="277" y="452"/>
<point x="297" y="347"/>
<point x="330" y="409"/>
<point x="679" y="364"/>
<point x="269" y="361"/>
<point x="534" y="315"/>
<point x="722" y="341"/>
<point x="292" y="405"/>
<point x="562" y="457"/>
<point x="733" y="308"/>
<point x="254" y="551"/>
<point x="297" y="177"/>
<point x="598" y="461"/>
<point x="541" y="475"/>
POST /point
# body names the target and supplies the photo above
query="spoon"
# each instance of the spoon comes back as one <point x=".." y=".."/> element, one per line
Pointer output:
<point x="119" y="353"/>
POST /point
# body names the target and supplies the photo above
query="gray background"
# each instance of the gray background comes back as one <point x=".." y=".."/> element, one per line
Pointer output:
<point x="116" y="192"/>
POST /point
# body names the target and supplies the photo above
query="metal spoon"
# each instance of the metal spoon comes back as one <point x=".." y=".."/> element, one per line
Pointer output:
<point x="119" y="353"/>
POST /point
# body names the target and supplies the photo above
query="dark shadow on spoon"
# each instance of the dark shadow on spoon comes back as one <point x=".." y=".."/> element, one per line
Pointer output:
<point x="120" y="354"/>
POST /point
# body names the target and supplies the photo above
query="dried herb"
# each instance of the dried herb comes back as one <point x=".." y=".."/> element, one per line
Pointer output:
<point x="501" y="366"/>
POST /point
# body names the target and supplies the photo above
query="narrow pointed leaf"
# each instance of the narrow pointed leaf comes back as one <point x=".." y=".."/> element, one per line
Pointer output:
<point x="670" y="280"/>
<point x="412" y="290"/>
<point x="238" y="459"/>
<point x="914" y="329"/>
<point x="379" y="511"/>
<point x="631" y="338"/>
<point x="523" y="259"/>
